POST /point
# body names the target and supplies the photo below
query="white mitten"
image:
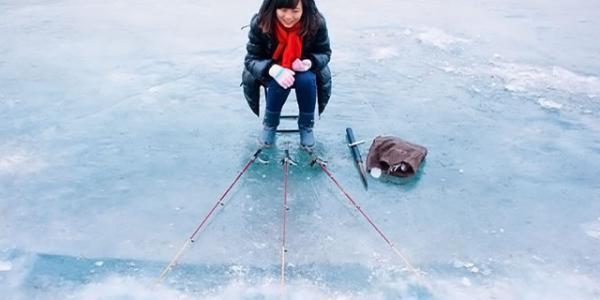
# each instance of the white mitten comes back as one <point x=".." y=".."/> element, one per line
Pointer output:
<point x="301" y="65"/>
<point x="283" y="76"/>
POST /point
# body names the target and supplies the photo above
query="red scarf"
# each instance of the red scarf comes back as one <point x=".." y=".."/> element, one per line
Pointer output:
<point x="289" y="46"/>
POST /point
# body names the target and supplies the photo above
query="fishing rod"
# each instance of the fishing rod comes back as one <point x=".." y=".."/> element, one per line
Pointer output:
<point x="353" y="145"/>
<point x="191" y="240"/>
<point x="286" y="161"/>
<point x="316" y="160"/>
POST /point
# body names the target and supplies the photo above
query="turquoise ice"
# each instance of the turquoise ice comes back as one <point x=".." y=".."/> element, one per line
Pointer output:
<point x="121" y="122"/>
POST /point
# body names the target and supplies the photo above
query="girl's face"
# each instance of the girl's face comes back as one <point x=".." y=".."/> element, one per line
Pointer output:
<point x="288" y="17"/>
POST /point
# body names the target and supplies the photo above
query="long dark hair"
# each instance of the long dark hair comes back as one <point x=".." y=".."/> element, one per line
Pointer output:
<point x="311" y="18"/>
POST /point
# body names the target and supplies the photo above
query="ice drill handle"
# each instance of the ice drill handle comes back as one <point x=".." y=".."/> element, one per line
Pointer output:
<point x="351" y="140"/>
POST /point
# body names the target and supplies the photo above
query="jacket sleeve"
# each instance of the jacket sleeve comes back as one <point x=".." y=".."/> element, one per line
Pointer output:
<point x="320" y="53"/>
<point x="257" y="61"/>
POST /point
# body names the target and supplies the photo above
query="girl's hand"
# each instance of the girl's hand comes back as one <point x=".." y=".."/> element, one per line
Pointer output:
<point x="283" y="76"/>
<point x="301" y="65"/>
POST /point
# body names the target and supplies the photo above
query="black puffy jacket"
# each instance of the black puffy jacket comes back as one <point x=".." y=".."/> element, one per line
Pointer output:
<point x="258" y="60"/>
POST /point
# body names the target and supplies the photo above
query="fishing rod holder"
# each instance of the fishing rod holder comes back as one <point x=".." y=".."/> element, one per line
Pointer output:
<point x="262" y="161"/>
<point x="287" y="159"/>
<point x="315" y="159"/>
<point x="258" y="151"/>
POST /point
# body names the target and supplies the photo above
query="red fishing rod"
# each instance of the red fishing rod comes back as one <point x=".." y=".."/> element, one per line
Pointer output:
<point x="190" y="240"/>
<point x="286" y="161"/>
<point x="316" y="160"/>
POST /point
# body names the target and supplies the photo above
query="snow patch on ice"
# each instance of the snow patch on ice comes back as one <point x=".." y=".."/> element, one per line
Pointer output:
<point x="466" y="282"/>
<point x="5" y="266"/>
<point x="438" y="38"/>
<point x="549" y="104"/>
<point x="525" y="78"/>
<point x="384" y="53"/>
<point x="592" y="229"/>
<point x="19" y="162"/>
<point x="134" y="289"/>
<point x="561" y="285"/>
<point x="271" y="289"/>
<point x="126" y="288"/>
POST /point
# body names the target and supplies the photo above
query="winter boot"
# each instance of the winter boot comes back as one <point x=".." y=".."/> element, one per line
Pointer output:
<point x="306" y="122"/>
<point x="267" y="134"/>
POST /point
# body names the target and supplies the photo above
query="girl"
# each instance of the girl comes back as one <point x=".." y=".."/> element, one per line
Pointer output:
<point x="288" y="47"/>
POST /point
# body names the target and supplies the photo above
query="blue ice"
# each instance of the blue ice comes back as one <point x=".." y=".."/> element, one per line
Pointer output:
<point x="121" y="123"/>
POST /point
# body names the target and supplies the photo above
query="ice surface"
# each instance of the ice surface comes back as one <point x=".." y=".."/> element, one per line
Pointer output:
<point x="121" y="123"/>
<point x="5" y="266"/>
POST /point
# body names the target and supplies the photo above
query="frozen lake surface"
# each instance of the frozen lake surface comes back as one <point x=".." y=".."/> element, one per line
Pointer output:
<point x="122" y="122"/>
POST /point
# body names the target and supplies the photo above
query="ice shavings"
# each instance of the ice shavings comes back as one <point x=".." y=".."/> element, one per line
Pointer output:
<point x="592" y="229"/>
<point x="549" y="104"/>
<point x="383" y="53"/>
<point x="238" y="270"/>
<point x="561" y="285"/>
<point x="470" y="267"/>
<point x="126" y="288"/>
<point x="465" y="281"/>
<point x="527" y="78"/>
<point x="5" y="266"/>
<point x="438" y="38"/>
<point x="19" y="162"/>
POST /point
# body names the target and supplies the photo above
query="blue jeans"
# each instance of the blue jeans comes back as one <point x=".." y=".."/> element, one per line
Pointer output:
<point x="305" y="84"/>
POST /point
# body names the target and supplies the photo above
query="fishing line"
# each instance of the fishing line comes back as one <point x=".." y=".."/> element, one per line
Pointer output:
<point x="191" y="240"/>
<point x="317" y="160"/>
<point x="286" y="161"/>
